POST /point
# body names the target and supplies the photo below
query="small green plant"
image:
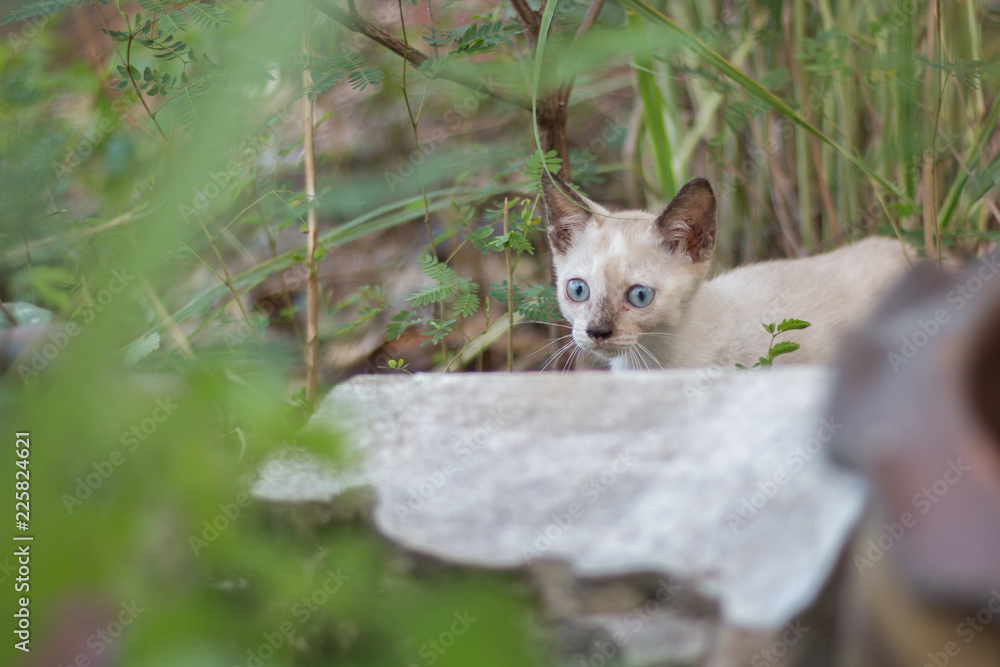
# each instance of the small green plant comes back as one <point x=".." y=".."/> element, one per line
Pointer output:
<point x="399" y="365"/>
<point x="782" y="347"/>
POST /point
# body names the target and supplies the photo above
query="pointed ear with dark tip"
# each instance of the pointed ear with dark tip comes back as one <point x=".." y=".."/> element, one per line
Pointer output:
<point x="566" y="212"/>
<point x="687" y="224"/>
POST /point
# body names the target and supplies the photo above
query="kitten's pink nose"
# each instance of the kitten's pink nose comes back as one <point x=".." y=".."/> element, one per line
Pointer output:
<point x="599" y="334"/>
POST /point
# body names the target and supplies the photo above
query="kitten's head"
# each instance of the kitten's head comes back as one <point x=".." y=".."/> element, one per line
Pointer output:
<point x="625" y="278"/>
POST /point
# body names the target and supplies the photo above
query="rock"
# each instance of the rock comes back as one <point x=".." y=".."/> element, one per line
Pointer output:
<point x="715" y="481"/>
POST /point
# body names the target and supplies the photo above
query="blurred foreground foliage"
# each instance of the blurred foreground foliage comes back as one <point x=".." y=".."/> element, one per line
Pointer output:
<point x="145" y="436"/>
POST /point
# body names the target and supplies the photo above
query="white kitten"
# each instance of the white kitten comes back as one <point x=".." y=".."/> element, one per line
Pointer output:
<point x="634" y="285"/>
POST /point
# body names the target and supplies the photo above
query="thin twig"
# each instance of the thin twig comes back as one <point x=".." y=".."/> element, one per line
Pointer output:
<point x="312" y="225"/>
<point x="228" y="280"/>
<point x="932" y="237"/>
<point x="510" y="292"/>
<point x="416" y="137"/>
<point x="420" y="175"/>
<point x="180" y="340"/>
<point x="135" y="86"/>
<point x="589" y="18"/>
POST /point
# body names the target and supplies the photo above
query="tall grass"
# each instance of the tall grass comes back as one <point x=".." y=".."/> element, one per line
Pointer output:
<point x="847" y="119"/>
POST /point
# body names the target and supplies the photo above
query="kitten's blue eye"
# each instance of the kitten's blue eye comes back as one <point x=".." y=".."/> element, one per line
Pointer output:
<point x="577" y="290"/>
<point x="640" y="296"/>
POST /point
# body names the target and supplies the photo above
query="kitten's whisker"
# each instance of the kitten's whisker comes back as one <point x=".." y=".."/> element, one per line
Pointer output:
<point x="642" y="359"/>
<point x="548" y="324"/>
<point x="569" y="360"/>
<point x="555" y="355"/>
<point x="550" y="344"/>
<point x="649" y="355"/>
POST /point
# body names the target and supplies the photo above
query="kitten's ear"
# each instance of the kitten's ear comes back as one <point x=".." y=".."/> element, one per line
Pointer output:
<point x="687" y="224"/>
<point x="566" y="212"/>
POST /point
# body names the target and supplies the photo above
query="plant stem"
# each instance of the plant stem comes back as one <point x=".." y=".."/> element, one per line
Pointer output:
<point x="312" y="228"/>
<point x="135" y="86"/>
<point x="416" y="136"/>
<point x="510" y="292"/>
<point x="228" y="280"/>
<point x="420" y="174"/>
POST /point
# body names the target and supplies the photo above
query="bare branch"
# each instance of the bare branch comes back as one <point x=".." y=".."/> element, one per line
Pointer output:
<point x="589" y="18"/>
<point x="529" y="18"/>
<point x="357" y="23"/>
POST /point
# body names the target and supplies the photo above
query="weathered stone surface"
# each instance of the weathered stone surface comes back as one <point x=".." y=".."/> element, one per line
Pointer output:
<point x="718" y="481"/>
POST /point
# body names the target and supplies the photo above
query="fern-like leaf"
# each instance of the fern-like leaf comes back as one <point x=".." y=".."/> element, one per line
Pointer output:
<point x="47" y="8"/>
<point x="466" y="300"/>
<point x="206" y="16"/>
<point x="371" y="76"/>
<point x="436" y="271"/>
<point x="172" y="23"/>
<point x="433" y="294"/>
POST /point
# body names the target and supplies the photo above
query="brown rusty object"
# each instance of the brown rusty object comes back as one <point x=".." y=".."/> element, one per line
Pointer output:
<point x="919" y="394"/>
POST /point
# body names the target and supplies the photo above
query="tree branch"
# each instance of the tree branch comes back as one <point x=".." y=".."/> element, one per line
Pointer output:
<point x="529" y="18"/>
<point x="356" y="23"/>
<point x="589" y="18"/>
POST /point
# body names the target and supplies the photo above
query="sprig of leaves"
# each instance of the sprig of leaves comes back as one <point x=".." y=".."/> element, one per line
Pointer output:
<point x="533" y="168"/>
<point x="47" y="7"/>
<point x="448" y="288"/>
<point x="473" y="38"/>
<point x="777" y="349"/>
<point x="537" y="303"/>
<point x="370" y="301"/>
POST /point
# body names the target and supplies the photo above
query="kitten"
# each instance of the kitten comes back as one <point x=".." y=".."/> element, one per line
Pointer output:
<point x="634" y="285"/>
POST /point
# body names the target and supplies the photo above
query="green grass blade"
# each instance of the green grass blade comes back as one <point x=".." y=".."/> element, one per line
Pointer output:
<point x="716" y="60"/>
<point x="543" y="35"/>
<point x="652" y="104"/>
<point x="950" y="203"/>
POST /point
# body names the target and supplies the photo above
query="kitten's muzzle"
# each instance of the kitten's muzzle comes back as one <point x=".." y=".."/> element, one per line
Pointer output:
<point x="599" y="333"/>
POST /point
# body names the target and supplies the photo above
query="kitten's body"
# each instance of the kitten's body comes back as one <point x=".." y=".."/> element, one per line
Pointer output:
<point x="690" y="320"/>
<point x="832" y="291"/>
